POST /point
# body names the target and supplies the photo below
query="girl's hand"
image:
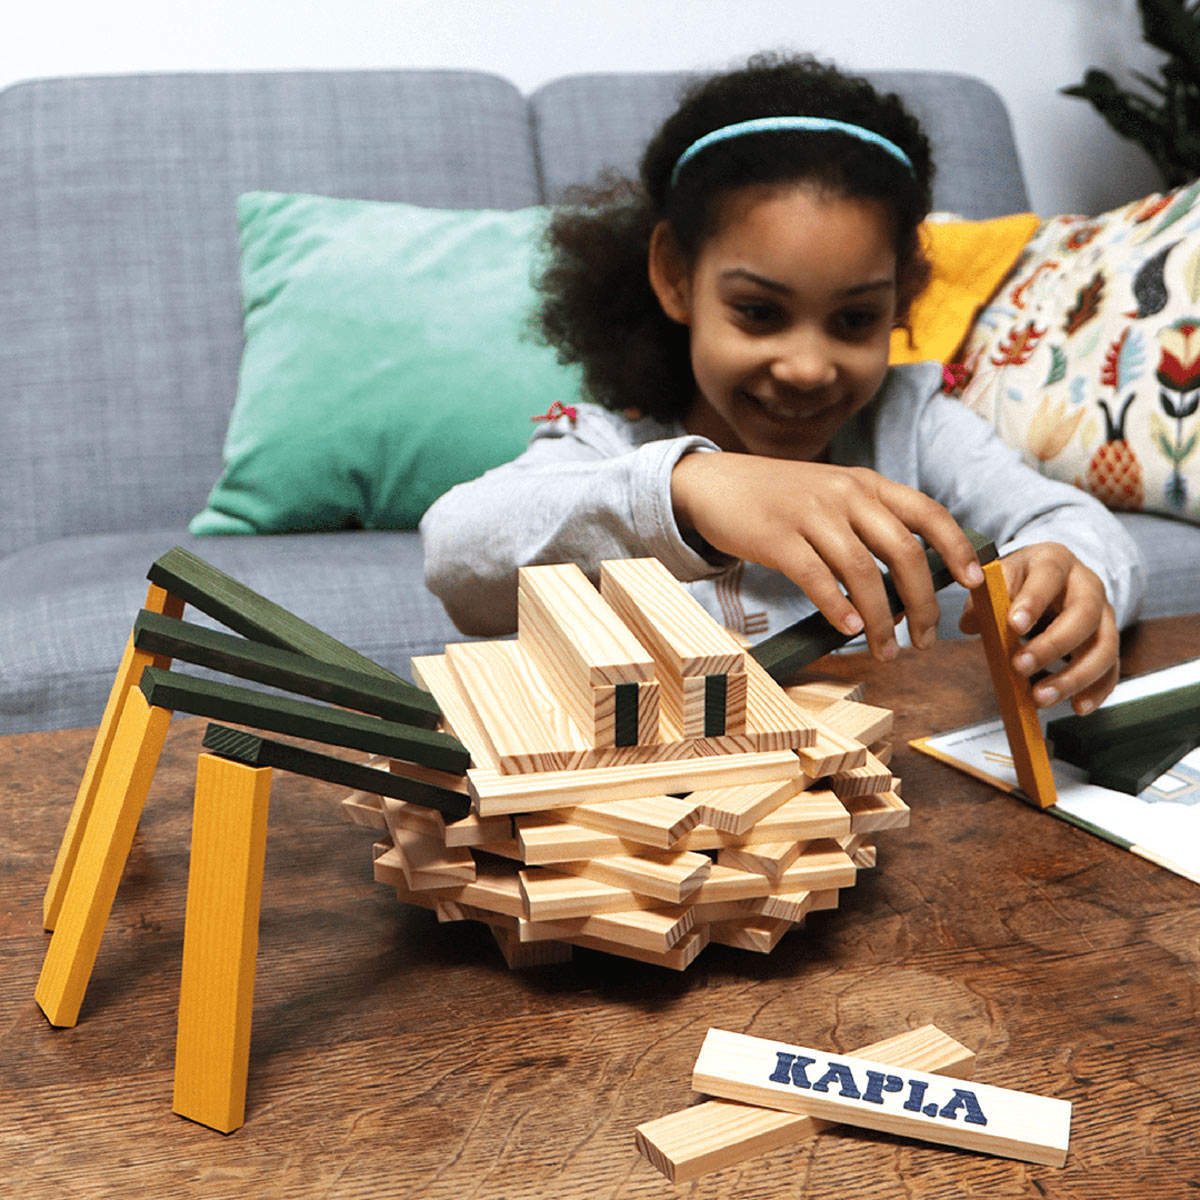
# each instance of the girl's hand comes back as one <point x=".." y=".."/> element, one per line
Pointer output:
<point x="820" y="525"/>
<point x="1049" y="579"/>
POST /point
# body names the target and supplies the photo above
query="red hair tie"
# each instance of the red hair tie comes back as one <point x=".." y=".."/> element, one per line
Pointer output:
<point x="556" y="410"/>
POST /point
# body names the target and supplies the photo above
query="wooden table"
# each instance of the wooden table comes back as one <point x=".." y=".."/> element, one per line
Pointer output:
<point x="393" y="1057"/>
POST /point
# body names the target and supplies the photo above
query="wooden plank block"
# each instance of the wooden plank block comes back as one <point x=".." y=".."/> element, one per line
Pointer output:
<point x="820" y="865"/>
<point x="784" y="906"/>
<point x="458" y="713"/>
<point x="559" y="607"/>
<point x="864" y="723"/>
<point x="870" y="814"/>
<point x="474" y="830"/>
<point x="220" y="941"/>
<point x="861" y="850"/>
<point x="767" y="858"/>
<point x="811" y="814"/>
<point x="678" y="958"/>
<point x="873" y="776"/>
<point x="520" y="955"/>
<point x="254" y="616"/>
<point x="817" y="694"/>
<point x="758" y="933"/>
<point x="1013" y="692"/>
<point x="873" y="1094"/>
<point x="301" y="718"/>
<point x="133" y="662"/>
<point x="364" y="809"/>
<point x="650" y="821"/>
<point x="686" y="643"/>
<point x="813" y="637"/>
<point x="720" y="1133"/>
<point x="728" y="883"/>
<point x="830" y="753"/>
<point x="253" y="750"/>
<point x="285" y="669"/>
<point x="552" y="895"/>
<point x="497" y="888"/>
<point x="737" y="808"/>
<point x="656" y="930"/>
<point x="663" y="875"/>
<point x="527" y="727"/>
<point x="544" y="840"/>
<point x="495" y="793"/>
<point x="427" y="861"/>
<point x="771" y="714"/>
<point x="103" y="849"/>
<point x="714" y="705"/>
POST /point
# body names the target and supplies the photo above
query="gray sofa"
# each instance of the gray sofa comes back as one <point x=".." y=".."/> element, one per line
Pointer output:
<point x="120" y="323"/>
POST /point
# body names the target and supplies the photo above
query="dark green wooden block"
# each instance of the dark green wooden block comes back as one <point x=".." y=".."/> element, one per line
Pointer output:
<point x="284" y="669"/>
<point x="625" y="732"/>
<point x="1133" y="766"/>
<point x="795" y="647"/>
<point x="254" y="616"/>
<point x="1077" y="739"/>
<point x="301" y="718"/>
<point x="716" y="689"/>
<point x="258" y="751"/>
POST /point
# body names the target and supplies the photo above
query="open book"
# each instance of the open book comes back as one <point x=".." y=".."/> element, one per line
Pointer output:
<point x="1161" y="824"/>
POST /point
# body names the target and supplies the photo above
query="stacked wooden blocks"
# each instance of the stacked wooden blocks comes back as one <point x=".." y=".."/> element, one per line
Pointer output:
<point x="639" y="783"/>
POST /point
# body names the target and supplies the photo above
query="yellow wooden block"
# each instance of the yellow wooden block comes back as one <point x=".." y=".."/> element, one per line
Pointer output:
<point x="133" y="662"/>
<point x="104" y="841"/>
<point x="1026" y="742"/>
<point x="220" y="941"/>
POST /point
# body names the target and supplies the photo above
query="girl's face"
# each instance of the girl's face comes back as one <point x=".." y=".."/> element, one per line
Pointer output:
<point x="790" y="306"/>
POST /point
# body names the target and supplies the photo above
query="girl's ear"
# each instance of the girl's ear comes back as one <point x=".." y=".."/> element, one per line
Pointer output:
<point x="669" y="275"/>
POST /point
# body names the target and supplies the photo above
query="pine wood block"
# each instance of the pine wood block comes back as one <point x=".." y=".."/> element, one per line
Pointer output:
<point x="784" y="906"/>
<point x="103" y="848"/>
<point x="877" y="1095"/>
<point x="433" y="672"/>
<point x="495" y="793"/>
<point x="247" y="612"/>
<point x="758" y="933"/>
<point x="553" y="895"/>
<point x="821" y="864"/>
<point x="473" y="831"/>
<point x="399" y="814"/>
<point x="544" y="840"/>
<point x="661" y="875"/>
<point x="697" y="704"/>
<point x="220" y="941"/>
<point x="821" y="694"/>
<point x="686" y="643"/>
<point x="520" y="955"/>
<point x="720" y="1133"/>
<point x="558" y="606"/>
<point x="650" y="821"/>
<point x="678" y="958"/>
<point x="861" y="851"/>
<point x="737" y="808"/>
<point x="882" y="750"/>
<point x="426" y="861"/>
<point x="882" y="810"/>
<point x="1013" y="692"/>
<point x="728" y="883"/>
<point x="811" y="814"/>
<point x="767" y="858"/>
<point x="710" y="911"/>
<point x="525" y="724"/>
<point x="831" y="753"/>
<point x="364" y="809"/>
<point x="873" y="776"/>
<point x="864" y="723"/>
<point x="496" y="888"/>
<point x="771" y="714"/>
<point x="656" y="930"/>
<point x="824" y="899"/>
<point x="133" y="662"/>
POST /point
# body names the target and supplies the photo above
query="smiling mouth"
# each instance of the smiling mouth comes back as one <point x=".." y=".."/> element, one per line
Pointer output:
<point x="788" y="410"/>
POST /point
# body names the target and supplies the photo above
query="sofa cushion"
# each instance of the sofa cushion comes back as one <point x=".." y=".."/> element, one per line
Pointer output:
<point x="69" y="606"/>
<point x="120" y="314"/>
<point x="585" y="124"/>
<point x="388" y="357"/>
<point x="1088" y="359"/>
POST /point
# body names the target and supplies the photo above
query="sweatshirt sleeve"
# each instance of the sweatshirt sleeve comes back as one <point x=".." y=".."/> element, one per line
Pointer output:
<point x="582" y="495"/>
<point x="955" y="456"/>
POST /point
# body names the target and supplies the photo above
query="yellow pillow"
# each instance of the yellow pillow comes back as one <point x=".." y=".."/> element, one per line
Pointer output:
<point x="970" y="260"/>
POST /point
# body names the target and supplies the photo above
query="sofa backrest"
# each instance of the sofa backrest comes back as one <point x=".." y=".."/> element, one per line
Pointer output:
<point x="120" y="312"/>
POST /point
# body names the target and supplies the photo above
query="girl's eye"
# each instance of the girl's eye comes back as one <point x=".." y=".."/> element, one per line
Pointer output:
<point x="857" y="322"/>
<point x="754" y="313"/>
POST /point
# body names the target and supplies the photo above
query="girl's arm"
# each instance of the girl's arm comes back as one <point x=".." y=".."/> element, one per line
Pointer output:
<point x="579" y="494"/>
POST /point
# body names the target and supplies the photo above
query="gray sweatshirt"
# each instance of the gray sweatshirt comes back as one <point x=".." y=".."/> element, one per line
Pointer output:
<point x="599" y="487"/>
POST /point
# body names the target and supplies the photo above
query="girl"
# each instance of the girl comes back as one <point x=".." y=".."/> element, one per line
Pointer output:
<point x="732" y="314"/>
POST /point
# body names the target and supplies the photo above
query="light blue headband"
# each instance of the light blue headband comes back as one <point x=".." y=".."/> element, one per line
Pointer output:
<point x="784" y="124"/>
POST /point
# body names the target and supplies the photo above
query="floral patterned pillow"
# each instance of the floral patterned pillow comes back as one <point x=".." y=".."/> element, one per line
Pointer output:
<point x="1088" y="357"/>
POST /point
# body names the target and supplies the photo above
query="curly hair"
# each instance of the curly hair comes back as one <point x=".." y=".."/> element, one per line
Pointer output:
<point x="598" y="308"/>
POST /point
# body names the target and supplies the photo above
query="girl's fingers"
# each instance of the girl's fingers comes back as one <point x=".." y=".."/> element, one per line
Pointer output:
<point x="1090" y="673"/>
<point x="931" y="521"/>
<point x="808" y="570"/>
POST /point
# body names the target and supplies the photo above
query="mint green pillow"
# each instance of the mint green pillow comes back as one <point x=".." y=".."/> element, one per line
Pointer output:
<point x="386" y="360"/>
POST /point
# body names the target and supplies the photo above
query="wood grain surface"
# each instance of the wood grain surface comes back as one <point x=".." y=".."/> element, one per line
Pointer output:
<point x="392" y="1056"/>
